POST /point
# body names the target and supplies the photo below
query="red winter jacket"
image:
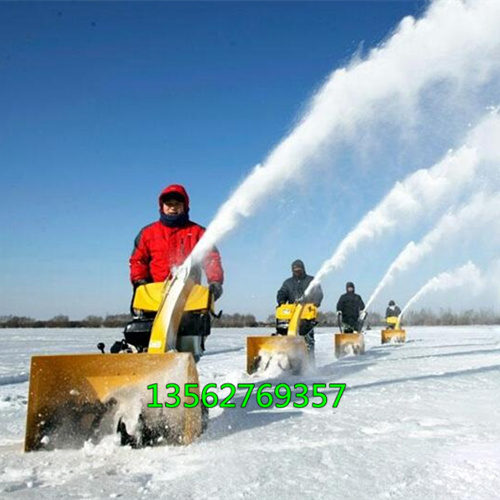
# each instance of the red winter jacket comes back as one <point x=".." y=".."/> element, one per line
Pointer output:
<point x="158" y="248"/>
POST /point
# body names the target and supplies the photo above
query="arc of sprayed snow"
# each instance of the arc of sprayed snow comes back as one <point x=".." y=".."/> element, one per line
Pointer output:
<point x="461" y="276"/>
<point x="457" y="42"/>
<point x="421" y="190"/>
<point x="482" y="209"/>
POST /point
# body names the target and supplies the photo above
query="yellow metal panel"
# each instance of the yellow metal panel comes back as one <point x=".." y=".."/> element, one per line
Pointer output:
<point x="393" y="335"/>
<point x="346" y="343"/>
<point x="294" y="347"/>
<point x="285" y="312"/>
<point x="66" y="390"/>
<point x="391" y="320"/>
<point x="294" y="324"/>
<point x="309" y="312"/>
<point x="198" y="299"/>
<point x="148" y="297"/>
<point x="168" y="318"/>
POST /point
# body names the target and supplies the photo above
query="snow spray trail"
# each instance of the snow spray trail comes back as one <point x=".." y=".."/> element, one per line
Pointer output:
<point x="468" y="274"/>
<point x="421" y="191"/>
<point x="481" y="211"/>
<point x="456" y="42"/>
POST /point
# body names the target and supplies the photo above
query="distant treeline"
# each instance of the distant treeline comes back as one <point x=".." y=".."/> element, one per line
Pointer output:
<point x="423" y="317"/>
<point x="114" y="321"/>
<point x="236" y="321"/>
<point x="427" y="317"/>
<point x="60" y="321"/>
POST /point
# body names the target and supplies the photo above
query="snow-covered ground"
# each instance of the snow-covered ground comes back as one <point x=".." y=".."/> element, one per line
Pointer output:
<point x="418" y="420"/>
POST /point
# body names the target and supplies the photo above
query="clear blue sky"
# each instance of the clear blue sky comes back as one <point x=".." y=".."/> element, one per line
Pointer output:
<point x="103" y="104"/>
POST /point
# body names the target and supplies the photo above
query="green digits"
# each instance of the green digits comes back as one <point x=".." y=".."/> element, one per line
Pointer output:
<point x="225" y="403"/>
<point x="175" y="395"/>
<point x="302" y="395"/>
<point x="260" y="395"/>
<point x="189" y="394"/>
<point x="319" y="394"/>
<point x="206" y="393"/>
<point x="287" y="396"/>
<point x="249" y="388"/>
<point x="154" y="404"/>
<point x="341" y="388"/>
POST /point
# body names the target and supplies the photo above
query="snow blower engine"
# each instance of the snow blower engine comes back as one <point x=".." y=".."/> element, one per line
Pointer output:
<point x="284" y="313"/>
<point x="193" y="329"/>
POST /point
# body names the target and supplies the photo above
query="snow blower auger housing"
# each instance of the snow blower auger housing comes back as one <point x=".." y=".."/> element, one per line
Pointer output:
<point x="293" y="321"/>
<point x="348" y="342"/>
<point x="392" y="335"/>
<point x="75" y="398"/>
<point x="393" y="332"/>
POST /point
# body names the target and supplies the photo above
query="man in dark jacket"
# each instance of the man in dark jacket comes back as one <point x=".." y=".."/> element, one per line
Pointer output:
<point x="293" y="288"/>
<point x="391" y="314"/>
<point x="166" y="243"/>
<point x="351" y="306"/>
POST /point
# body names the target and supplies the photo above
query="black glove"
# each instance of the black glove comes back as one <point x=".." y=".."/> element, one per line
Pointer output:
<point x="215" y="289"/>
<point x="138" y="283"/>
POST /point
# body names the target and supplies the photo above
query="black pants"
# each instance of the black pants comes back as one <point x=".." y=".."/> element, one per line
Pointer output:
<point x="309" y="338"/>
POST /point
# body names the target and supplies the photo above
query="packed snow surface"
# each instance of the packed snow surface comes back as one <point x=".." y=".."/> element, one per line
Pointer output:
<point x="417" y="420"/>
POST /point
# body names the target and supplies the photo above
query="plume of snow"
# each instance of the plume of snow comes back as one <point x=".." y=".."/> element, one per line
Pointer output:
<point x="420" y="192"/>
<point x="482" y="210"/>
<point x="468" y="274"/>
<point x="455" y="42"/>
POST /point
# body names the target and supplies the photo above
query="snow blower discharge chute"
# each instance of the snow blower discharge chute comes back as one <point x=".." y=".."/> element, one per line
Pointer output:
<point x="287" y="345"/>
<point x="78" y="397"/>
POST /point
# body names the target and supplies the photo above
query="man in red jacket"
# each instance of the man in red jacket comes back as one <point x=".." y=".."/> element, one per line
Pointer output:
<point x="166" y="243"/>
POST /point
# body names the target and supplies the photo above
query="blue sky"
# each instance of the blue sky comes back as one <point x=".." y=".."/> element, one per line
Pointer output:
<point x="103" y="104"/>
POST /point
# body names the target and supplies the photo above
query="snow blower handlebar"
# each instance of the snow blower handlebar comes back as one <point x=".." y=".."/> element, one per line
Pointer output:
<point x="339" y="321"/>
<point x="361" y="320"/>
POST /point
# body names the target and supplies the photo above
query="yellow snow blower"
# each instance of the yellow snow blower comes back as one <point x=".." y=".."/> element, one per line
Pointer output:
<point x="78" y="397"/>
<point x="393" y="332"/>
<point x="348" y="342"/>
<point x="287" y="345"/>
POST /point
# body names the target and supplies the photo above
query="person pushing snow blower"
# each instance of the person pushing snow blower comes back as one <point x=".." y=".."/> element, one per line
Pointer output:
<point x="292" y="291"/>
<point x="350" y="308"/>
<point x="159" y="249"/>
<point x="392" y="315"/>
<point x="77" y="398"/>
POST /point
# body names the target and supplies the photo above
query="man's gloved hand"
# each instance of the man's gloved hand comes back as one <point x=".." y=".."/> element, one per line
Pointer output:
<point x="215" y="289"/>
<point x="362" y="315"/>
<point x="339" y="313"/>
<point x="138" y="283"/>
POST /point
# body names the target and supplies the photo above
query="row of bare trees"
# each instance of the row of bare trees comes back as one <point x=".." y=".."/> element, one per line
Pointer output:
<point x="113" y="321"/>
<point x="426" y="317"/>
<point x="61" y="321"/>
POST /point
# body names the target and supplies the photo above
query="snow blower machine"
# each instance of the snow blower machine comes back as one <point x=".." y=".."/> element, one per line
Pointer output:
<point x="139" y="389"/>
<point x="288" y="346"/>
<point x="393" y="332"/>
<point x="348" y="341"/>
